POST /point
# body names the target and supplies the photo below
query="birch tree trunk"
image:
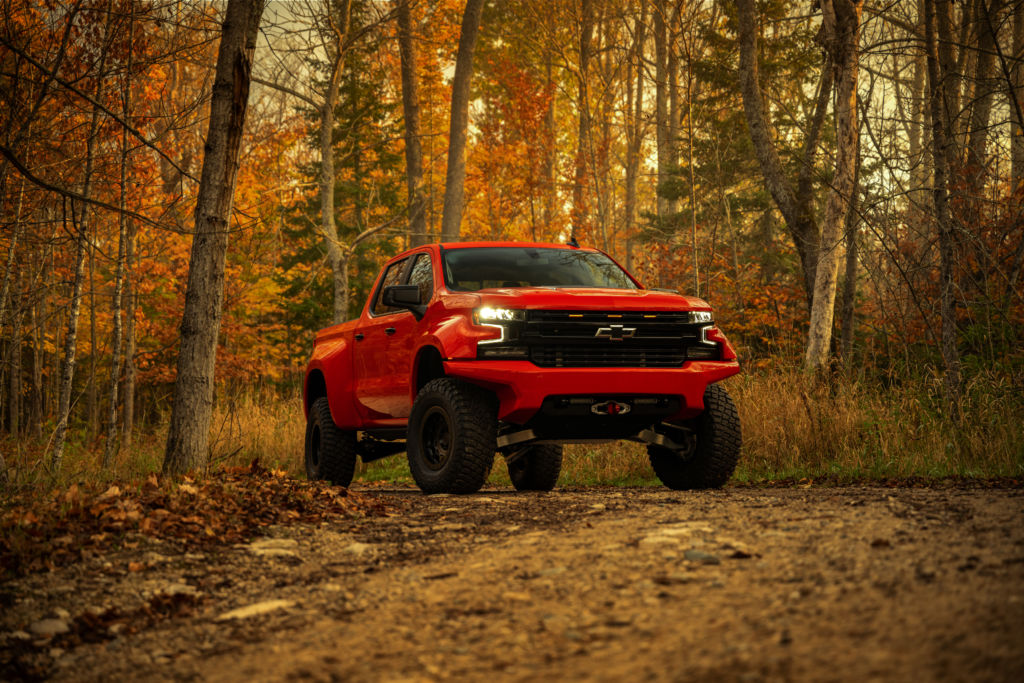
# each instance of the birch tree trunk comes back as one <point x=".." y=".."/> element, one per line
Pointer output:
<point x="189" y="431"/>
<point x="579" y="204"/>
<point x="81" y="226"/>
<point x="122" y="251"/>
<point x="411" y="110"/>
<point x="841" y="24"/>
<point x="328" y="226"/>
<point x="455" y="179"/>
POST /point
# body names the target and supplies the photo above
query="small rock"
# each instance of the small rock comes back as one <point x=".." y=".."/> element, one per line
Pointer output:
<point x="274" y="547"/>
<point x="598" y="507"/>
<point x="61" y="613"/>
<point x="49" y="627"/>
<point x="178" y="589"/>
<point x="693" y="555"/>
<point x="256" y="609"/>
<point x="357" y="548"/>
<point x="515" y="596"/>
<point x="56" y="652"/>
<point x="19" y="635"/>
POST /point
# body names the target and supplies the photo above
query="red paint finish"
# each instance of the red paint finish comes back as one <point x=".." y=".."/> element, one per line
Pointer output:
<point x="369" y="365"/>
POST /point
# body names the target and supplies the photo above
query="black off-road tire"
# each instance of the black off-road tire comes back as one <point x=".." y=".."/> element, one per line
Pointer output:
<point x="716" y="453"/>
<point x="330" y="451"/>
<point x="537" y="469"/>
<point x="452" y="436"/>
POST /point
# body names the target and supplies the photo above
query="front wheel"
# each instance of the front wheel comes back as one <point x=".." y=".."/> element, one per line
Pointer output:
<point x="715" y="454"/>
<point x="330" y="451"/>
<point x="452" y="436"/>
<point x="537" y="468"/>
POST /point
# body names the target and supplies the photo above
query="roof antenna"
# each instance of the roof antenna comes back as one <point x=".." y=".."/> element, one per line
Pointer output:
<point x="572" y="241"/>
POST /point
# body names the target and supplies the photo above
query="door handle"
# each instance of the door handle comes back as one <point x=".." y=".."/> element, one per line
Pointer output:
<point x="389" y="331"/>
<point x="359" y="336"/>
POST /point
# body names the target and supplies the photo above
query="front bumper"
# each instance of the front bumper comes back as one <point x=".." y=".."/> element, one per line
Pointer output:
<point x="521" y="386"/>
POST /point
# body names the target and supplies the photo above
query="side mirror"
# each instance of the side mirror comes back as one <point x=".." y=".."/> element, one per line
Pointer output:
<point x="404" y="296"/>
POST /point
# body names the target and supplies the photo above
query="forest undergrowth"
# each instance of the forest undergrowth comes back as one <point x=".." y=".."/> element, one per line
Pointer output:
<point x="847" y="429"/>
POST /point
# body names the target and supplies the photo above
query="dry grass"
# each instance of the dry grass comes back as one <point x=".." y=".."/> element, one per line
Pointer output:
<point x="792" y="427"/>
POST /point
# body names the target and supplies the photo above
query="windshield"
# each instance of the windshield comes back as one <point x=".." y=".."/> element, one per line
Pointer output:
<point x="476" y="268"/>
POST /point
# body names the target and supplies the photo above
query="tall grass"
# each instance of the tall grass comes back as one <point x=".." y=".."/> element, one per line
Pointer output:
<point x="792" y="427"/>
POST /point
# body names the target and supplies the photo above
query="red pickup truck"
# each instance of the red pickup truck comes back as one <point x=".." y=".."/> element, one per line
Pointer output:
<point x="469" y="349"/>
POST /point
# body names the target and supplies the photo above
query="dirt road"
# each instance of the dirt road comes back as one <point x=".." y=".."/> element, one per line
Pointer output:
<point x="626" y="584"/>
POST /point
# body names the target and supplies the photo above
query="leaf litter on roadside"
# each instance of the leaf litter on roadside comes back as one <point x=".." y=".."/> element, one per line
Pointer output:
<point x="39" y="533"/>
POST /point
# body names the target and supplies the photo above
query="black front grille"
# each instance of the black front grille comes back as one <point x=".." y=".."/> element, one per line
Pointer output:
<point x="631" y="339"/>
<point x="605" y="355"/>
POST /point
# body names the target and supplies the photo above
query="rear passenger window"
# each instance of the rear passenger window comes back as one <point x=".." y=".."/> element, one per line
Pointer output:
<point x="422" y="275"/>
<point x="393" y="276"/>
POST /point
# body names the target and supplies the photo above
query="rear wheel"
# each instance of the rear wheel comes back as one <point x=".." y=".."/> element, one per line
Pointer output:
<point x="330" y="451"/>
<point x="713" y="459"/>
<point x="537" y="468"/>
<point x="452" y="436"/>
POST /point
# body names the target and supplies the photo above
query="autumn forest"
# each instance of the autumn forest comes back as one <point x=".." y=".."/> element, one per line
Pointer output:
<point x="842" y="180"/>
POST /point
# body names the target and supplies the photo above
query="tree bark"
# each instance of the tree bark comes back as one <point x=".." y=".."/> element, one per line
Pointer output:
<point x="122" y="250"/>
<point x="189" y="431"/>
<point x="328" y="226"/>
<point x="941" y="143"/>
<point x="841" y="24"/>
<point x="634" y="129"/>
<point x="981" y="108"/>
<point x="411" y="110"/>
<point x="850" y="277"/>
<point x="82" y="238"/>
<point x="1017" y="84"/>
<point x="661" y="114"/>
<point x="579" y="218"/>
<point x="796" y="213"/>
<point x="455" y="179"/>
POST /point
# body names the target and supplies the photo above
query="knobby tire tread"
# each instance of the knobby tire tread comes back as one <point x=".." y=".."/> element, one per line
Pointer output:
<point x="473" y="414"/>
<point x="717" y="451"/>
<point x="543" y="464"/>
<point x="337" y="446"/>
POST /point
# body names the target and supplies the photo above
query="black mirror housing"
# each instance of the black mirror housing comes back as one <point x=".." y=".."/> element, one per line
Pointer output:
<point x="404" y="296"/>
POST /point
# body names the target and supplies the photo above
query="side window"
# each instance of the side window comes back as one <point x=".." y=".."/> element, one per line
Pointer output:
<point x="422" y="275"/>
<point x="393" y="276"/>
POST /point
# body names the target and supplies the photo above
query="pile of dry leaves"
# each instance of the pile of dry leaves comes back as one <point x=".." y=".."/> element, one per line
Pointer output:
<point x="42" y="532"/>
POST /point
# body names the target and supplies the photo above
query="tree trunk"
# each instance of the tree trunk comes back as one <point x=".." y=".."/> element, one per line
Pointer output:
<point x="130" y="369"/>
<point x="661" y="114"/>
<point x="328" y="226"/>
<point x="122" y="250"/>
<point x="411" y="110"/>
<point x="17" y="318"/>
<point x="634" y="130"/>
<point x="189" y="431"/>
<point x="941" y="142"/>
<point x="1017" y="128"/>
<point x="841" y="24"/>
<point x="920" y="167"/>
<point x="797" y="215"/>
<point x="82" y="228"/>
<point x="981" y="108"/>
<point x="850" y="277"/>
<point x="674" y="114"/>
<point x="455" y="179"/>
<point x="550" y="149"/>
<point x="579" y="218"/>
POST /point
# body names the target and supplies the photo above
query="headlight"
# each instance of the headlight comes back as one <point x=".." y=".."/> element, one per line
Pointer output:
<point x="487" y="314"/>
<point x="701" y="317"/>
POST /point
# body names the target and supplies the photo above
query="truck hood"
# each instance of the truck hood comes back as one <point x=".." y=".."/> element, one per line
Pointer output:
<point x="589" y="298"/>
